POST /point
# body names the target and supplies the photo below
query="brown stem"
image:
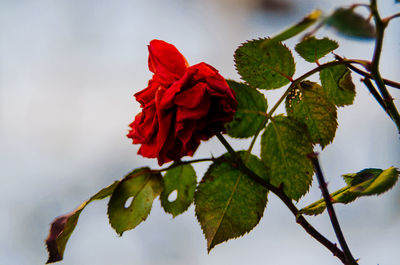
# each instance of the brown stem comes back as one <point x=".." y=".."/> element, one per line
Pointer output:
<point x="380" y="30"/>
<point x="180" y="163"/>
<point x="386" y="20"/>
<point x="332" y="215"/>
<point x="368" y="75"/>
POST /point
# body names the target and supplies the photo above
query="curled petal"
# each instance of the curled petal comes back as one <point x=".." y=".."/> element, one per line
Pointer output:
<point x="147" y="95"/>
<point x="166" y="62"/>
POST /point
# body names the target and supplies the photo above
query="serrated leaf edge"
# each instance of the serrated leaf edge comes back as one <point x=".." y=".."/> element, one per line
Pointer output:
<point x="161" y="201"/>
<point x="223" y="159"/>
<point x="126" y="178"/>
<point x="263" y="39"/>
<point x="306" y="210"/>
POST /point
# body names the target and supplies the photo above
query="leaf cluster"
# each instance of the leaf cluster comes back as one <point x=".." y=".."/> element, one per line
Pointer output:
<point x="131" y="200"/>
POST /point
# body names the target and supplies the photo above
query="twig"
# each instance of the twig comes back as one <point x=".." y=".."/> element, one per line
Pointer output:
<point x="380" y="30"/>
<point x="253" y="141"/>
<point x="357" y="5"/>
<point x="386" y="20"/>
<point x="180" y="163"/>
<point x="238" y="163"/>
<point x="331" y="211"/>
<point x="368" y="75"/>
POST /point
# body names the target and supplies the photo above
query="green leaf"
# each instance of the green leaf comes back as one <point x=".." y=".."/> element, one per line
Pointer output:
<point x="266" y="67"/>
<point x="338" y="85"/>
<point x="285" y="145"/>
<point x="248" y="117"/>
<point x="306" y="22"/>
<point x="63" y="226"/>
<point x="228" y="203"/>
<point x="351" y="24"/>
<point x="312" y="49"/>
<point x="143" y="186"/>
<point x="371" y="181"/>
<point x="308" y="104"/>
<point x="353" y="179"/>
<point x="181" y="179"/>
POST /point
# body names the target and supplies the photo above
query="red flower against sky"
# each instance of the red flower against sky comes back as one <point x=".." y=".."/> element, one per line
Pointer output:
<point x="181" y="106"/>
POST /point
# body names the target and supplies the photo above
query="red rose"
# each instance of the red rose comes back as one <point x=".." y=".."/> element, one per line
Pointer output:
<point x="182" y="105"/>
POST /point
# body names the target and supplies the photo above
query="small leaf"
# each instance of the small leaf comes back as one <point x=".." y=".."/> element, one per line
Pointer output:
<point x="309" y="105"/>
<point x="228" y="203"/>
<point x="319" y="206"/>
<point x="371" y="181"/>
<point x="307" y="21"/>
<point x="338" y="85"/>
<point x="266" y="67"/>
<point x="351" y="24"/>
<point x="312" y="49"/>
<point x="181" y="179"/>
<point x="143" y="186"/>
<point x="378" y="185"/>
<point x="248" y="117"/>
<point x="353" y="179"/>
<point x="63" y="226"/>
<point x="285" y="145"/>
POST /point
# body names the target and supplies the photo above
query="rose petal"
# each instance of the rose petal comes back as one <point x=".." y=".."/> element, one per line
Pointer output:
<point x="219" y="87"/>
<point x="167" y="100"/>
<point x="148" y="150"/>
<point x="191" y="97"/>
<point x="202" y="71"/>
<point x="199" y="112"/>
<point x="193" y="75"/>
<point x="144" y="126"/>
<point x="166" y="62"/>
<point x="164" y="119"/>
<point x="185" y="130"/>
<point x="171" y="150"/>
<point x="148" y="94"/>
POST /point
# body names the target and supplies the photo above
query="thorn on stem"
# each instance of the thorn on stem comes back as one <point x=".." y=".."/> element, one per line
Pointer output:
<point x="330" y="212"/>
<point x="298" y="218"/>
<point x="312" y="155"/>
<point x="324" y="185"/>
<point x="388" y="99"/>
<point x="370" y="17"/>
<point x="368" y="66"/>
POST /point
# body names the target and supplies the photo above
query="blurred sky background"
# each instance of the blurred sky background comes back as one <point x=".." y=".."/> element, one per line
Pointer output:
<point x="68" y="72"/>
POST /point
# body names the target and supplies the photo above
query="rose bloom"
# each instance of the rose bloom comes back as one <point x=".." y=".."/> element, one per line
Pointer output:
<point x="181" y="105"/>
